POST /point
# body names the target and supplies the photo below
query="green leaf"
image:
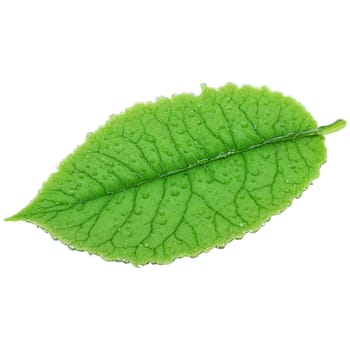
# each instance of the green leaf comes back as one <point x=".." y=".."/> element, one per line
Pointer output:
<point x="182" y="175"/>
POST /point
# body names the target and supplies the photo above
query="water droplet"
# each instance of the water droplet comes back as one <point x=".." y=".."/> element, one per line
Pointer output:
<point x="241" y="224"/>
<point x="145" y="195"/>
<point x="138" y="211"/>
<point x="162" y="221"/>
<point x="161" y="213"/>
<point x="265" y="155"/>
<point x="184" y="186"/>
<point x="150" y="138"/>
<point x="175" y="193"/>
<point x="79" y="207"/>
<point x="210" y="180"/>
<point x="168" y="152"/>
<point x="127" y="233"/>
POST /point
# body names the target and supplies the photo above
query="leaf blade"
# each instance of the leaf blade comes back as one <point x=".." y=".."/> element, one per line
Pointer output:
<point x="180" y="176"/>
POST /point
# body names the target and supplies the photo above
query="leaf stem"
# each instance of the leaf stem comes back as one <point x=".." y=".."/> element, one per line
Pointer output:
<point x="335" y="126"/>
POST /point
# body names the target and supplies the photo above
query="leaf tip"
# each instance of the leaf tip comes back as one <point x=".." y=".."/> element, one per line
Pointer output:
<point x="20" y="216"/>
<point x="15" y="217"/>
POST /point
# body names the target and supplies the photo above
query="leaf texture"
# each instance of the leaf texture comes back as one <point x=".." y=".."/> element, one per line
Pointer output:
<point x="181" y="175"/>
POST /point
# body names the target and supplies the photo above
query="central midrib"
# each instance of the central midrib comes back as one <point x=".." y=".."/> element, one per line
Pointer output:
<point x="320" y="131"/>
<point x="282" y="138"/>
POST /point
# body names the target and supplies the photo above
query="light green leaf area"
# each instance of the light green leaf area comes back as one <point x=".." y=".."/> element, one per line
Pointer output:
<point x="181" y="175"/>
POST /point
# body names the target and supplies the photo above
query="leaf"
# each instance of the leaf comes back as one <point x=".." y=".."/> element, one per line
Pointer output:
<point x="182" y="175"/>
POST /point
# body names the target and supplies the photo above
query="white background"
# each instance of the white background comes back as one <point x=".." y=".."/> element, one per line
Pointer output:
<point x="65" y="66"/>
